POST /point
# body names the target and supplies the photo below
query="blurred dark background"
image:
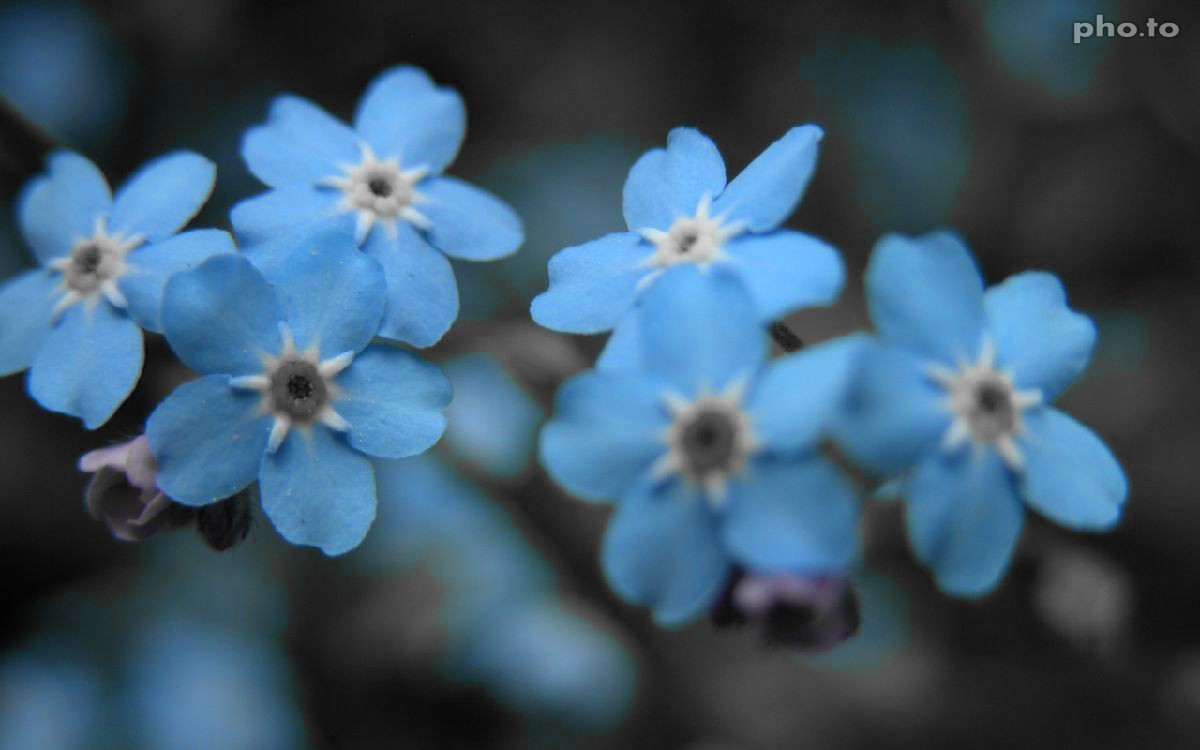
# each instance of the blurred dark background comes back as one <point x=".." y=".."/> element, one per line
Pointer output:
<point x="1081" y="159"/>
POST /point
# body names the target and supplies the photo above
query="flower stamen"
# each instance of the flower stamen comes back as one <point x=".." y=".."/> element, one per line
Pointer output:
<point x="379" y="192"/>
<point x="708" y="441"/>
<point x="985" y="404"/>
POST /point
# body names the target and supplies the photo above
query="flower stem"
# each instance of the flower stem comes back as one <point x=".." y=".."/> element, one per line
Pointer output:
<point x="787" y="340"/>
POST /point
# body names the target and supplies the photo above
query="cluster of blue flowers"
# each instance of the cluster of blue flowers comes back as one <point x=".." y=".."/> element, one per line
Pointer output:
<point x="728" y="466"/>
<point x="294" y="332"/>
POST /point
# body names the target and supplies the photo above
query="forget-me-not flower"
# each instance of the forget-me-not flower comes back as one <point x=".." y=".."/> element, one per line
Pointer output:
<point x="292" y="392"/>
<point x="382" y="182"/>
<point x="499" y="622"/>
<point x="711" y="452"/>
<point x="492" y="421"/>
<point x="956" y="394"/>
<point x="76" y="321"/>
<point x="679" y="210"/>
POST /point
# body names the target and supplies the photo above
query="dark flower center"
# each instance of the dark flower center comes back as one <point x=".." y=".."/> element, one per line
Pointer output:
<point x="687" y="241"/>
<point x="994" y="414"/>
<point x="298" y="390"/>
<point x="87" y="259"/>
<point x="88" y="268"/>
<point x="380" y="186"/>
<point x="708" y="442"/>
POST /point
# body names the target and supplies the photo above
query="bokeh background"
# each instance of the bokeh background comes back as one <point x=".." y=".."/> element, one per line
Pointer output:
<point x="475" y="616"/>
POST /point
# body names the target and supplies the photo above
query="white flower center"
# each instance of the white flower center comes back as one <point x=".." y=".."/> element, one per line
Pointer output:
<point x="297" y="388"/>
<point x="986" y="406"/>
<point x="708" y="441"/>
<point x="691" y="239"/>
<point x="379" y="192"/>
<point x="93" y="266"/>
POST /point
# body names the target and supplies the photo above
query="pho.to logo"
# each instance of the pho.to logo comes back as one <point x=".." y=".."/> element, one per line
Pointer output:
<point x="1085" y="29"/>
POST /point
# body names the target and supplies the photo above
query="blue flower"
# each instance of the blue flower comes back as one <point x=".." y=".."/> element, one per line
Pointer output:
<point x="292" y="394"/>
<point x="75" y="321"/>
<point x="382" y="181"/>
<point x="500" y="622"/>
<point x="192" y="684"/>
<point x="680" y="211"/>
<point x="432" y="515"/>
<point x="711" y="452"/>
<point x="956" y="394"/>
<point x="545" y="660"/>
<point x="492" y="422"/>
<point x="51" y="696"/>
<point x="60" y="67"/>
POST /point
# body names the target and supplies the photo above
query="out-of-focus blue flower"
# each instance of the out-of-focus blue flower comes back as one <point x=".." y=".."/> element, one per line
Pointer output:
<point x="901" y="112"/>
<point x="492" y="421"/>
<point x="291" y="392"/>
<point x="1026" y="37"/>
<point x="105" y="260"/>
<point x="50" y="699"/>
<point x="711" y="452"/>
<point x="679" y="210"/>
<point x="196" y="686"/>
<point x="430" y="514"/>
<point x="547" y="661"/>
<point x="956" y="392"/>
<point x="60" y="69"/>
<point x="500" y="623"/>
<point x="382" y="182"/>
<point x="535" y="181"/>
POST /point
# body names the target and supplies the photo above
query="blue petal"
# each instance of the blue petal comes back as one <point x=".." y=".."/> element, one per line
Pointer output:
<point x="770" y="187"/>
<point x="798" y="516"/>
<point x="403" y="113"/>
<point x="222" y="317"/>
<point x="925" y="294"/>
<point x="468" y="222"/>
<point x="62" y="207"/>
<point x="422" y="295"/>
<point x="786" y="271"/>
<point x="183" y="670"/>
<point x="592" y="285"/>
<point x="319" y="491"/>
<point x="597" y="451"/>
<point x="700" y="329"/>
<point x="665" y="184"/>
<point x="1045" y="343"/>
<point x="964" y="518"/>
<point x="150" y="266"/>
<point x="279" y="213"/>
<point x="208" y="440"/>
<point x="331" y="294"/>
<point x="299" y="144"/>
<point x="163" y="196"/>
<point x="543" y="659"/>
<point x="393" y="401"/>
<point x="798" y="395"/>
<point x="623" y="351"/>
<point x="26" y="304"/>
<point x="492" y="421"/>
<point x="87" y="364"/>
<point x="1070" y="475"/>
<point x="893" y="412"/>
<point x="662" y="550"/>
